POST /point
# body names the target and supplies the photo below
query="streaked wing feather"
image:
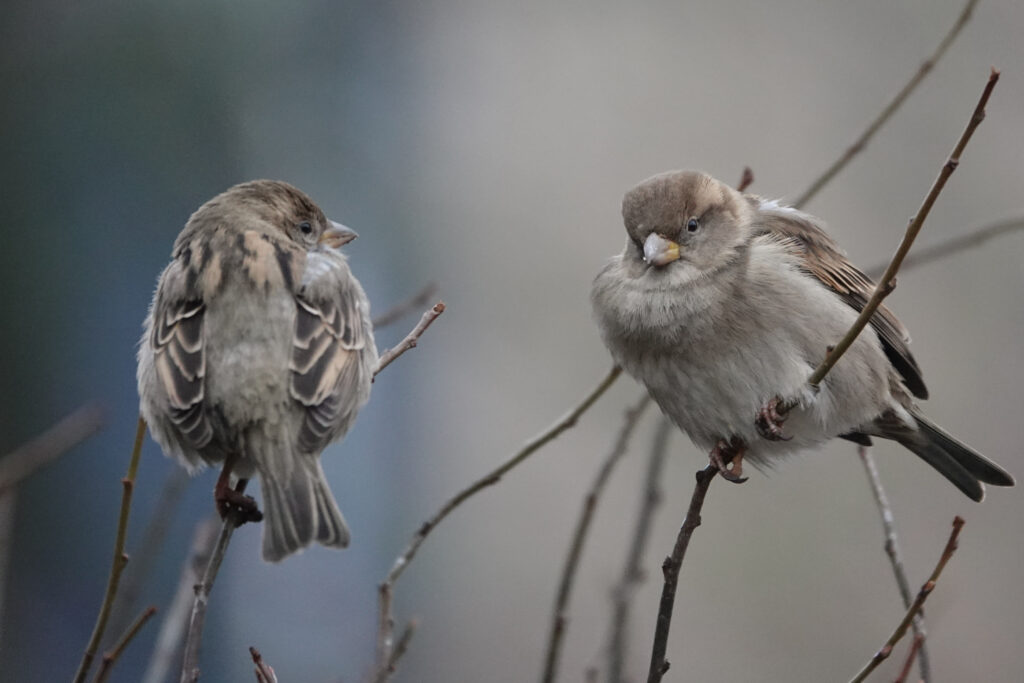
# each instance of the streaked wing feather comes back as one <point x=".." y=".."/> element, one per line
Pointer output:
<point x="178" y="353"/>
<point x="325" y="362"/>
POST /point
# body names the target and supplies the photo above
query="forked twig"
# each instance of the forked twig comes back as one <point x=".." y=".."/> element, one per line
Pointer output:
<point x="120" y="558"/>
<point x="915" y="607"/>
<point x="411" y="339"/>
<point x="892" y="550"/>
<point x="111" y="657"/>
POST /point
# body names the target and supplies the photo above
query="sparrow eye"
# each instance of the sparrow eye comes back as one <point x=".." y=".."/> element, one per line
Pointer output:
<point x="306" y="228"/>
<point x="693" y="225"/>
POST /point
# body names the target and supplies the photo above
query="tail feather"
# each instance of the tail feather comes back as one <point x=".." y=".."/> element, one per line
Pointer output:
<point x="299" y="511"/>
<point x="957" y="462"/>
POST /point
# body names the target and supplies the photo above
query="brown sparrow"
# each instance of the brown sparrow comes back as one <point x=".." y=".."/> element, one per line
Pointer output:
<point x="257" y="353"/>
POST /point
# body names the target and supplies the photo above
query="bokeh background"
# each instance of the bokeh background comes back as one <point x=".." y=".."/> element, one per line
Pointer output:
<point x="486" y="146"/>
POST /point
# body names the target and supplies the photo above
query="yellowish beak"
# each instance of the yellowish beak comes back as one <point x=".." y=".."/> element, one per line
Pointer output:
<point x="337" y="235"/>
<point x="659" y="251"/>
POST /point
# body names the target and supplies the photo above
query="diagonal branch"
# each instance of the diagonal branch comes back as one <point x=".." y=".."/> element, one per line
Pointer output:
<point x="111" y="657"/>
<point x="887" y="283"/>
<point x="400" y="310"/>
<point x="386" y="588"/>
<point x="915" y="608"/>
<point x="411" y="339"/>
<point x="890" y="109"/>
<point x="670" y="568"/>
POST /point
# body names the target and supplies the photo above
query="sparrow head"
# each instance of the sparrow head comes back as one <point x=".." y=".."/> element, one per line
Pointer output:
<point x="685" y="217"/>
<point x="276" y="208"/>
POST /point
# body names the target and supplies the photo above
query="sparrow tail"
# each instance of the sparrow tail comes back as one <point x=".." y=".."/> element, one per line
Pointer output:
<point x="955" y="460"/>
<point x="299" y="511"/>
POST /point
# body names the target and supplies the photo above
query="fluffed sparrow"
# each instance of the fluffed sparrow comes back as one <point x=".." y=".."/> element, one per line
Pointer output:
<point x="257" y="353"/>
<point x="722" y="301"/>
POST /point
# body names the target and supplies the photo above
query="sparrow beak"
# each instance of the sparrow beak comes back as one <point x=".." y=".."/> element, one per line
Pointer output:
<point x="659" y="251"/>
<point x="337" y="235"/>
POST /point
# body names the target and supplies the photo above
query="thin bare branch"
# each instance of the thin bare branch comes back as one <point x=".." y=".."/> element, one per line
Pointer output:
<point x="110" y="657"/>
<point x="890" y="109"/>
<point x="172" y="628"/>
<point x="908" y="663"/>
<point x="969" y="240"/>
<point x="887" y="283"/>
<point x="670" y="568"/>
<point x="915" y="607"/>
<point x="194" y="636"/>
<point x="559" y="617"/>
<point x="391" y="666"/>
<point x="149" y="547"/>
<point x="892" y="550"/>
<point x="411" y="339"/>
<point x="633" y="572"/>
<point x="51" y="444"/>
<point x="120" y="558"/>
<point x="400" y="310"/>
<point x="386" y="588"/>
<point x="264" y="672"/>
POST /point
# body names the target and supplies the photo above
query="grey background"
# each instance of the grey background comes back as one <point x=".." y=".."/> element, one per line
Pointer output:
<point x="486" y="146"/>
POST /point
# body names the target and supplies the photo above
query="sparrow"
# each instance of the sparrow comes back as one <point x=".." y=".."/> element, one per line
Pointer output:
<point x="722" y="304"/>
<point x="257" y="353"/>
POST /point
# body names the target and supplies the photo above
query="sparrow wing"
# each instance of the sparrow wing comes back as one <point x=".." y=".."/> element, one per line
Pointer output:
<point x="178" y="354"/>
<point x="329" y="372"/>
<point x="824" y="259"/>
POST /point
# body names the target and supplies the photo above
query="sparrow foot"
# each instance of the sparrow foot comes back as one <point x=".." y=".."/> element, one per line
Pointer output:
<point x="229" y="500"/>
<point x="769" y="421"/>
<point x="727" y="457"/>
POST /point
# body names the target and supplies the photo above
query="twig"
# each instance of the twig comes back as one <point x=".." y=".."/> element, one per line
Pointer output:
<point x="51" y="444"/>
<point x="892" y="550"/>
<point x="411" y="339"/>
<point x="120" y="558"/>
<point x="745" y="179"/>
<point x="152" y="542"/>
<point x="889" y="110"/>
<point x="264" y="672"/>
<point x="386" y="588"/>
<point x="194" y="636"/>
<point x="908" y="663"/>
<point x="633" y="571"/>
<point x="974" y="238"/>
<point x="400" y="310"/>
<point x="887" y="283"/>
<point x="559" y="617"/>
<point x="670" y="568"/>
<point x="918" y="603"/>
<point x="172" y="628"/>
<point x="384" y="673"/>
<point x="111" y="656"/>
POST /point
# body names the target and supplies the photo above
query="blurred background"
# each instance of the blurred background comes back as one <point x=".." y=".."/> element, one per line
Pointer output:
<point x="486" y="146"/>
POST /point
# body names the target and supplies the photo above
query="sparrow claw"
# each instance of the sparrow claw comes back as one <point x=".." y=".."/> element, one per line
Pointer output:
<point x="230" y="501"/>
<point x="769" y="421"/>
<point x="727" y="457"/>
